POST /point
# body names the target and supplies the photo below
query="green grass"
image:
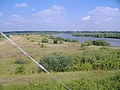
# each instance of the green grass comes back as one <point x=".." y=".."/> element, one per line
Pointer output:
<point x="42" y="81"/>
<point x="10" y="54"/>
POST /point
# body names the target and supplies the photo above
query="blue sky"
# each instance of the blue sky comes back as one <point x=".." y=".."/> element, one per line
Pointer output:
<point x="59" y="15"/>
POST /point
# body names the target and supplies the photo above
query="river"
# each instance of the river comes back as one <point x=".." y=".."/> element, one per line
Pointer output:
<point x="114" y="42"/>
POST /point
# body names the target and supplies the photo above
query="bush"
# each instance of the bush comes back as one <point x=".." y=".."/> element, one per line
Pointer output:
<point x="103" y="59"/>
<point x="83" y="84"/>
<point x="42" y="46"/>
<point x="107" y="65"/>
<point x="79" y="67"/>
<point x="55" y="62"/>
<point x="83" y="46"/>
<point x="55" y="41"/>
<point x="95" y="42"/>
<point x="88" y="43"/>
<point x="21" y="61"/>
<point x="8" y="36"/>
<point x="44" y="40"/>
<point x="112" y="83"/>
<point x="20" y="70"/>
<point x="74" y="41"/>
<point x="101" y="43"/>
<point x="28" y="38"/>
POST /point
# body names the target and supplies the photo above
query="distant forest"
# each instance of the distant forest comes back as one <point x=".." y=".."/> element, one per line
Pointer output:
<point x="51" y="32"/>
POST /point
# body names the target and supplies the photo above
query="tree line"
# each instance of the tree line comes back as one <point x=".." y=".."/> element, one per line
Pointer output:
<point x="99" y="35"/>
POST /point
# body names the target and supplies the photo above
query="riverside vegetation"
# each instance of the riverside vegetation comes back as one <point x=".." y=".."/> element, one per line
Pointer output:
<point x="99" y="35"/>
<point x="91" y="65"/>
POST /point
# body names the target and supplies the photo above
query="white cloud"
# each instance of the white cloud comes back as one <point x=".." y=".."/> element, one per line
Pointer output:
<point x="15" y="15"/>
<point x="16" y="18"/>
<point x="21" y="5"/>
<point x="51" y="12"/>
<point x="87" y="18"/>
<point x="33" y="9"/>
<point x="48" y="19"/>
<point x="102" y="18"/>
<point x="104" y="14"/>
<point x="105" y="11"/>
<point x="108" y="19"/>
<point x="1" y="14"/>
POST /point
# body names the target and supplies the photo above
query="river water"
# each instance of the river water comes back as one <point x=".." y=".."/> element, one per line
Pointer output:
<point x="114" y="42"/>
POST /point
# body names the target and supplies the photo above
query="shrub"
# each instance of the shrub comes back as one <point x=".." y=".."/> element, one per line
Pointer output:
<point x="79" y="67"/>
<point x="83" y="84"/>
<point x="55" y="62"/>
<point x="107" y="65"/>
<point x="21" y="61"/>
<point x="96" y="42"/>
<point x="103" y="59"/>
<point x="112" y="83"/>
<point x="88" y="43"/>
<point x="42" y="46"/>
<point x="32" y="40"/>
<point x="83" y="46"/>
<point x="20" y="70"/>
<point x="55" y="41"/>
<point x="74" y="41"/>
<point x="8" y="35"/>
<point x="101" y="43"/>
<point x="67" y="40"/>
<point x="28" y="38"/>
<point x="44" y="40"/>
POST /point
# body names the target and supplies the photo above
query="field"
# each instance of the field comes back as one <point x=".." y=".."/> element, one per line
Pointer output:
<point x="30" y="43"/>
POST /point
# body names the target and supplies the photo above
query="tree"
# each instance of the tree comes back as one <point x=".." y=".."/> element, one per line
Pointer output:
<point x="55" y="62"/>
<point x="44" y="40"/>
<point x="55" y="41"/>
<point x="101" y="43"/>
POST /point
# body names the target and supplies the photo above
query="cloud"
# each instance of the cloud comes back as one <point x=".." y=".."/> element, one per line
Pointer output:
<point x="108" y="19"/>
<point x="33" y="9"/>
<point x="105" y="11"/>
<point x="21" y="5"/>
<point x="15" y="16"/>
<point x="102" y="14"/>
<point x="86" y="18"/>
<point x="16" y="19"/>
<point x="1" y="14"/>
<point x="48" y="19"/>
<point x="101" y="18"/>
<point x="51" y="12"/>
<point x="53" y="18"/>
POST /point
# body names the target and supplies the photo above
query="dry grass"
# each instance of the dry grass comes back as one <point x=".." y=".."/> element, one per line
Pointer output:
<point x="66" y="76"/>
<point x="9" y="54"/>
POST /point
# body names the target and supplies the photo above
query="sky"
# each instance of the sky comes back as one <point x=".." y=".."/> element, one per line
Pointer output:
<point x="56" y="15"/>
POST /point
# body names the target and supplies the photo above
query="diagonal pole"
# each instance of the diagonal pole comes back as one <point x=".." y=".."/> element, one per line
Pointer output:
<point x="13" y="43"/>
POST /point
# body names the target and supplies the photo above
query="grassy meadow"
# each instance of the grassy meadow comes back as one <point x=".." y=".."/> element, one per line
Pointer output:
<point x="32" y="79"/>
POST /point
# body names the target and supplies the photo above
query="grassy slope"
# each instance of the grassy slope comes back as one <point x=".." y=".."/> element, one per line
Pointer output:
<point x="64" y="76"/>
<point x="9" y="54"/>
<point x="75" y="80"/>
